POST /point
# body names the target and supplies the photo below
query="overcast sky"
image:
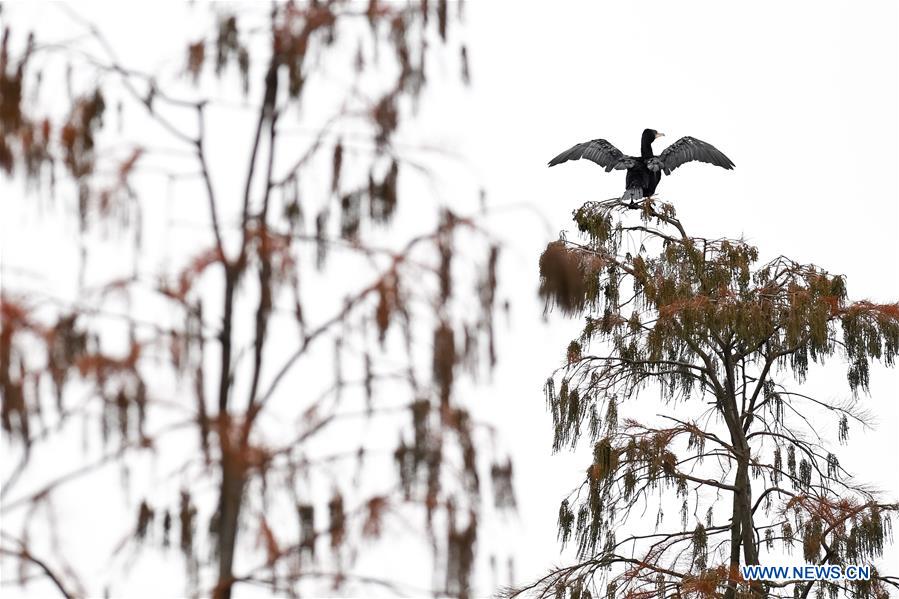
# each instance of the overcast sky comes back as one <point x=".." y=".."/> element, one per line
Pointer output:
<point x="802" y="96"/>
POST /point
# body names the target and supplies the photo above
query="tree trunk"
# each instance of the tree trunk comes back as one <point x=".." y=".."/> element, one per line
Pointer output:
<point x="742" y="532"/>
<point x="232" y="470"/>
<point x="230" y="500"/>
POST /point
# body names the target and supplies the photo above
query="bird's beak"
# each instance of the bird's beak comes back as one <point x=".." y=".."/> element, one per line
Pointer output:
<point x="658" y="135"/>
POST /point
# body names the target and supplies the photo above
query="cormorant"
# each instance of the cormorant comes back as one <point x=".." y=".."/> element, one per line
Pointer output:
<point x="645" y="172"/>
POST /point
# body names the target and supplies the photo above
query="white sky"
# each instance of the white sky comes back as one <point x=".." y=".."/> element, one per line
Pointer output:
<point x="802" y="96"/>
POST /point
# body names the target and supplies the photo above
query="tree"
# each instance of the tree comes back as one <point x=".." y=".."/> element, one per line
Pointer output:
<point x="188" y="362"/>
<point x="739" y="444"/>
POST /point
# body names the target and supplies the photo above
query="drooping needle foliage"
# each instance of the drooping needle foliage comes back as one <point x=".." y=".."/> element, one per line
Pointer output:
<point x="721" y="345"/>
<point x="286" y="350"/>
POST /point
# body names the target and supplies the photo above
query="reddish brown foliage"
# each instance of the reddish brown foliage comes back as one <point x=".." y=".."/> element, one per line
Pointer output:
<point x="375" y="510"/>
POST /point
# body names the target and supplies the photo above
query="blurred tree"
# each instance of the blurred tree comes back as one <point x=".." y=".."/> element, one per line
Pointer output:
<point x="283" y="451"/>
<point x="739" y="445"/>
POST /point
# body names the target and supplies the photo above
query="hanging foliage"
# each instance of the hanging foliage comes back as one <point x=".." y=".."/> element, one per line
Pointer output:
<point x="165" y="348"/>
<point x="725" y="341"/>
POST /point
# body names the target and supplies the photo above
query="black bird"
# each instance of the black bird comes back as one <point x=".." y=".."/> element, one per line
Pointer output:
<point x="645" y="172"/>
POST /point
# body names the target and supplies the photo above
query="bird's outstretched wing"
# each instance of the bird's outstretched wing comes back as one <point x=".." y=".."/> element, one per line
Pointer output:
<point x="599" y="151"/>
<point x="686" y="149"/>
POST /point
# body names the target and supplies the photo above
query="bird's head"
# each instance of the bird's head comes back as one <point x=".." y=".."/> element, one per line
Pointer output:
<point x="650" y="135"/>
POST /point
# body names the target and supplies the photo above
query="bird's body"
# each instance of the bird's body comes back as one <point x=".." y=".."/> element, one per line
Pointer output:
<point x="645" y="171"/>
<point x="639" y="177"/>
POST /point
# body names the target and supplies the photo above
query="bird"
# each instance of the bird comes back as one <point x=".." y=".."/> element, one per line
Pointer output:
<point x="645" y="172"/>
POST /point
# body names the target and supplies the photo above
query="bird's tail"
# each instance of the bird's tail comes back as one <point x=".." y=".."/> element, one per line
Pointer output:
<point x="633" y="194"/>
